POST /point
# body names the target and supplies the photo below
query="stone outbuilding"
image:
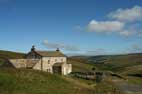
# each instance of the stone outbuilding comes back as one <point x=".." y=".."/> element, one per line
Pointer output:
<point x="49" y="61"/>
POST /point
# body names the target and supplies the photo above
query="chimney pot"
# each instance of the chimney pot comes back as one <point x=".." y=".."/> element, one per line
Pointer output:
<point x="33" y="48"/>
<point x="57" y="49"/>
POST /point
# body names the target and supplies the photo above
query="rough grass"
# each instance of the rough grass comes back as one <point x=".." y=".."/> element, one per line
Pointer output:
<point x="4" y="55"/>
<point x="1" y="63"/>
<point x="135" y="80"/>
<point x="117" y="63"/>
<point x="80" y="65"/>
<point x="35" y="82"/>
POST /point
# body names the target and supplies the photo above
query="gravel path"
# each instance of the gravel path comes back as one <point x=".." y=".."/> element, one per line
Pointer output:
<point x="127" y="88"/>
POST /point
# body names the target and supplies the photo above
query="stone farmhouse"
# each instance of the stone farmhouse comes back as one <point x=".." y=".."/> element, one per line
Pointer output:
<point x="48" y="61"/>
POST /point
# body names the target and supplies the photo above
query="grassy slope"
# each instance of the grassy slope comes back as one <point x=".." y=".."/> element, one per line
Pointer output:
<point x="79" y="65"/>
<point x="118" y="63"/>
<point x="22" y="81"/>
<point x="4" y="55"/>
<point x="36" y="82"/>
<point x="122" y="64"/>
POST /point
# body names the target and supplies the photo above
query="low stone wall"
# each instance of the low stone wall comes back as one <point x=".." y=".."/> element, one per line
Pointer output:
<point x="66" y="69"/>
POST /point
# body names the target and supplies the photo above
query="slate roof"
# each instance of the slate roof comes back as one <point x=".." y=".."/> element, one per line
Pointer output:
<point x="50" y="53"/>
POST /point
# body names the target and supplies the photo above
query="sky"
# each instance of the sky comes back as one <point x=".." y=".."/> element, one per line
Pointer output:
<point x="85" y="27"/>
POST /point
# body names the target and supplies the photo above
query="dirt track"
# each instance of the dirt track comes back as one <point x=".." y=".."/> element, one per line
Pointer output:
<point x="127" y="88"/>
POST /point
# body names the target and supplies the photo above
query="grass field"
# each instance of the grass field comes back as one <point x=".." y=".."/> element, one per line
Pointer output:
<point x="21" y="81"/>
<point x="80" y="65"/>
<point x="35" y="82"/>
<point x="117" y="63"/>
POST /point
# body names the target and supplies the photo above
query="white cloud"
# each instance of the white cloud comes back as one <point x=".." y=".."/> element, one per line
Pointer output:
<point x="47" y="44"/>
<point x="127" y="15"/>
<point x="126" y="22"/>
<point x="98" y="51"/>
<point x="135" y="48"/>
<point x="93" y="52"/>
<point x="127" y="33"/>
<point x="140" y="33"/>
<point x="105" y="26"/>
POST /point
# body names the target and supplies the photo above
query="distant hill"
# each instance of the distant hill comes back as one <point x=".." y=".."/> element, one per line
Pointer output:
<point x="116" y="63"/>
<point x="4" y="55"/>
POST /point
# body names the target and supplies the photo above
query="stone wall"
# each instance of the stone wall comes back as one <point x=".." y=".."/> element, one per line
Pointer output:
<point x="48" y="62"/>
<point x="44" y="64"/>
<point x="66" y="69"/>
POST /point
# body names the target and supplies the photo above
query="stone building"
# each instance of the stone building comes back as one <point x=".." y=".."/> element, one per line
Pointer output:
<point x="49" y="61"/>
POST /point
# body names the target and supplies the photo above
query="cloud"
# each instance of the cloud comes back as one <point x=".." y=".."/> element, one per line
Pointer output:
<point x="127" y="15"/>
<point x="98" y="51"/>
<point x="126" y="33"/>
<point x="62" y="46"/>
<point x="135" y="48"/>
<point x="105" y="26"/>
<point x="125" y="22"/>
<point x="140" y="33"/>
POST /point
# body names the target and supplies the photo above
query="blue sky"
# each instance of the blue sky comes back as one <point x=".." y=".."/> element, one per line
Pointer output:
<point x="76" y="26"/>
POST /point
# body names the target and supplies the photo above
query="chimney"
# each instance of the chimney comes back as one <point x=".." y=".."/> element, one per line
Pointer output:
<point x="57" y="50"/>
<point x="33" y="48"/>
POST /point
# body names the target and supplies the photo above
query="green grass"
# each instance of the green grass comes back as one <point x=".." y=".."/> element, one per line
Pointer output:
<point x="133" y="70"/>
<point x="104" y="87"/>
<point x="80" y="65"/>
<point x="135" y="80"/>
<point x="35" y="82"/>
<point x="1" y="63"/>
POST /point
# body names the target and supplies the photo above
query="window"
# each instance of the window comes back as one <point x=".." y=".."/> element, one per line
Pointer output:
<point x="48" y="61"/>
<point x="36" y="56"/>
<point x="55" y="60"/>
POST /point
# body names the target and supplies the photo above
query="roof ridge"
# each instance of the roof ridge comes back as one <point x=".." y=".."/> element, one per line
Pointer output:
<point x="50" y="53"/>
<point x="45" y="51"/>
